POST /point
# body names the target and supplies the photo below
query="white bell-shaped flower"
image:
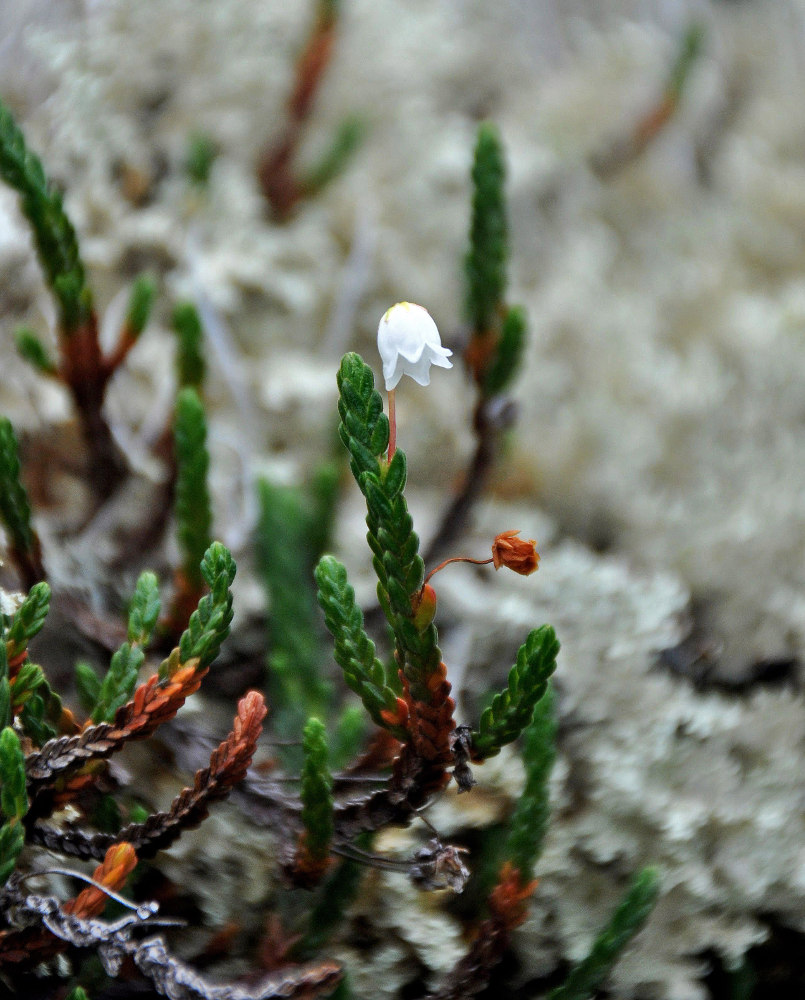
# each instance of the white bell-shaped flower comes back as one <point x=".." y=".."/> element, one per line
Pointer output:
<point x="409" y="343"/>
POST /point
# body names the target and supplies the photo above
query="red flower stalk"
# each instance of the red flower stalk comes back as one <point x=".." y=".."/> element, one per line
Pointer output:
<point x="507" y="550"/>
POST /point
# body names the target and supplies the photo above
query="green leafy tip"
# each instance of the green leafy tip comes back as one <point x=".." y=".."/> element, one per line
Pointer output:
<point x="141" y="301"/>
<point x="12" y="841"/>
<point x="529" y="822"/>
<point x="202" y="152"/>
<point x="511" y="709"/>
<point x="508" y="352"/>
<point x="15" y="508"/>
<point x="87" y="685"/>
<point x="13" y="800"/>
<point x="209" y="624"/>
<point x="144" y="609"/>
<point x="29" y="696"/>
<point x="354" y="650"/>
<point x="192" y="507"/>
<point x="364" y="427"/>
<point x="28" y="619"/>
<point x="121" y="677"/>
<point x="632" y="912"/>
<point x="316" y="791"/>
<point x="485" y="264"/>
<point x="690" y="48"/>
<point x="347" y="140"/>
<point x="54" y="236"/>
<point x="119" y="683"/>
<point x="31" y="348"/>
<point x="190" y="363"/>
<point x="13" y="797"/>
<point x="327" y="11"/>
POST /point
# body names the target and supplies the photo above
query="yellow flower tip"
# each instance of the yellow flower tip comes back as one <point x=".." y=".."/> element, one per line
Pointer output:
<point x="515" y="553"/>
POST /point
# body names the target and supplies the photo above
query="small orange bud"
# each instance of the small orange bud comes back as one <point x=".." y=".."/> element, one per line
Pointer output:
<point x="423" y="604"/>
<point x="515" y="553"/>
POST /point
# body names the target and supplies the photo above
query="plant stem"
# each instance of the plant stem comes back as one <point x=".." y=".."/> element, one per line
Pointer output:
<point x="454" y="559"/>
<point x="392" y="424"/>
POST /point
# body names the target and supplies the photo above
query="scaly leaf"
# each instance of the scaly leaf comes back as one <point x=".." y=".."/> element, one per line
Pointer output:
<point x="54" y="236"/>
<point x="192" y="506"/>
<point x="511" y="709"/>
<point x="485" y="264"/>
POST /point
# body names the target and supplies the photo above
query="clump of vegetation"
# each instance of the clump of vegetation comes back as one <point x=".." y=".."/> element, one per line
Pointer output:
<point x="57" y="793"/>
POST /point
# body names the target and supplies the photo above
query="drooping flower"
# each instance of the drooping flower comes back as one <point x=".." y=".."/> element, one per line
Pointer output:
<point x="515" y="553"/>
<point x="409" y="343"/>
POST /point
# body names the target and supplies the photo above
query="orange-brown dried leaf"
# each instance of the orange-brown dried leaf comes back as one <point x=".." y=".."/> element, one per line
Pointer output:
<point x="231" y="760"/>
<point x="430" y="725"/>
<point x="229" y="763"/>
<point x="112" y="872"/>
<point x="508" y="901"/>
<point x="399" y="717"/>
<point x="155" y="701"/>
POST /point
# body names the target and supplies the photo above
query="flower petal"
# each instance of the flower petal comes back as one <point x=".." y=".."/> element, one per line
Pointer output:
<point x="409" y="343"/>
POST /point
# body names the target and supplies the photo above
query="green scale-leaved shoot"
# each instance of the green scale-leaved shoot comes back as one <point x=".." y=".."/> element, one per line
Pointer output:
<point x="15" y="507"/>
<point x="588" y="976"/>
<point x="316" y="792"/>
<point x="141" y="302"/>
<point x="354" y="650"/>
<point x="32" y="350"/>
<point x="511" y="710"/>
<point x="486" y="259"/>
<point x="209" y="623"/>
<point x="498" y="333"/>
<point x="190" y="364"/>
<point x="287" y="538"/>
<point x="28" y="620"/>
<point x="13" y="801"/>
<point x="531" y="816"/>
<point x="30" y="697"/>
<point x="54" y="236"/>
<point x="107" y="695"/>
<point x="505" y="364"/>
<point x="193" y="510"/>
<point x="364" y="429"/>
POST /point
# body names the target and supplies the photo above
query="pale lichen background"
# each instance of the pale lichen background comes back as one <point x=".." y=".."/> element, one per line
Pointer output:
<point x="662" y="403"/>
